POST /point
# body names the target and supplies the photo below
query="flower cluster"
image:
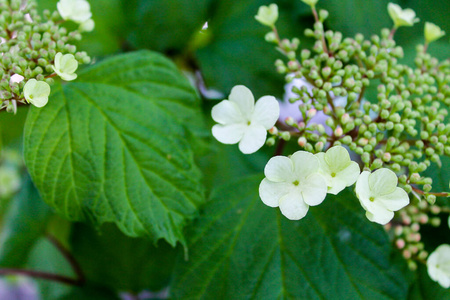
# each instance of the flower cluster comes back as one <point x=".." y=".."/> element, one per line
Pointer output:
<point x="35" y="49"/>
<point x="393" y="137"/>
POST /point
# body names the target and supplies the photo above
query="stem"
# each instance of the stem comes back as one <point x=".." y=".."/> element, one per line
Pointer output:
<point x="391" y="34"/>
<point x="41" y="275"/>
<point x="280" y="148"/>
<point x="78" y="281"/>
<point x="316" y="17"/>
<point x="418" y="191"/>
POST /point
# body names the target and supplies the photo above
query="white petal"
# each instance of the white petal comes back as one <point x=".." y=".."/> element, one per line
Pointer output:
<point x="381" y="219"/>
<point x="362" y="186"/>
<point x="278" y="169"/>
<point x="267" y="111"/>
<point x="227" y="112"/>
<point x="244" y="99"/>
<point x="382" y="181"/>
<point x="292" y="206"/>
<point x="271" y="192"/>
<point x="337" y="158"/>
<point x="314" y="189"/>
<point x="305" y="163"/>
<point x="350" y="174"/>
<point x="395" y="200"/>
<point x="253" y="139"/>
<point x="335" y="185"/>
<point x="228" y="134"/>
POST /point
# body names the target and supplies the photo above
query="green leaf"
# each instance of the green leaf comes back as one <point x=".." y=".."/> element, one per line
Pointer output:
<point x="11" y="126"/>
<point x="241" y="249"/>
<point x="138" y="264"/>
<point x="90" y="293"/>
<point x="111" y="147"/>
<point x="25" y="223"/>
<point x="424" y="288"/>
<point x="166" y="26"/>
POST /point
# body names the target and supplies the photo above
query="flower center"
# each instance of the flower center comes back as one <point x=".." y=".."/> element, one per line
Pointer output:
<point x="31" y="96"/>
<point x="333" y="174"/>
<point x="248" y="123"/>
<point x="295" y="183"/>
<point x="372" y="199"/>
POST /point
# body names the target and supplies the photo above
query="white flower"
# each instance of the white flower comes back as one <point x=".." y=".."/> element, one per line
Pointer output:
<point x="401" y="17"/>
<point x="241" y="121"/>
<point x="432" y="32"/>
<point x="438" y="265"/>
<point x="9" y="181"/>
<point x="379" y="195"/>
<point x="36" y="92"/>
<point x="65" y="66"/>
<point x="267" y="15"/>
<point x="87" y="26"/>
<point x="338" y="169"/>
<point x="310" y="2"/>
<point x="76" y="10"/>
<point x="293" y="184"/>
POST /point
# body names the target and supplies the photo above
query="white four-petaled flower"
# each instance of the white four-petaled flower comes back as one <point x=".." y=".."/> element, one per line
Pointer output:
<point x="267" y="15"/>
<point x="293" y="184"/>
<point x="76" y="10"/>
<point x="65" y="66"/>
<point x="438" y="265"/>
<point x="338" y="169"/>
<point x="432" y="32"/>
<point x="241" y="121"/>
<point x="379" y="195"/>
<point x="401" y="17"/>
<point x="36" y="92"/>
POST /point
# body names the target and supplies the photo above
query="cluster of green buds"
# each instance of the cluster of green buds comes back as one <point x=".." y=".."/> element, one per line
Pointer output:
<point x="404" y="128"/>
<point x="37" y="48"/>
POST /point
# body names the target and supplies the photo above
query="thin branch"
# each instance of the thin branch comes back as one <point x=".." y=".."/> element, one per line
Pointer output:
<point x="41" y="275"/>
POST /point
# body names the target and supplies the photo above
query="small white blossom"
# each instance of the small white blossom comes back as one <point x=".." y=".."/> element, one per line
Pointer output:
<point x="267" y="15"/>
<point x="36" y="92"/>
<point x="438" y="265"/>
<point x="9" y="181"/>
<point x="432" y="32"/>
<point x="76" y="10"/>
<point x="241" y="121"/>
<point x="379" y="195"/>
<point x="310" y="2"/>
<point x="87" y="26"/>
<point x="401" y="17"/>
<point x="338" y="169"/>
<point x="65" y="66"/>
<point x="293" y="184"/>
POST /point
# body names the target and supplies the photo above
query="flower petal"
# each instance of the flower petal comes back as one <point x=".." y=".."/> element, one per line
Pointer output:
<point x="314" y="189"/>
<point x="227" y="112"/>
<point x="381" y="219"/>
<point x="244" y="99"/>
<point x="278" y="169"/>
<point x="253" y="139"/>
<point x="292" y="206"/>
<point x="337" y="158"/>
<point x="305" y="163"/>
<point x="382" y="181"/>
<point x="362" y="185"/>
<point x="267" y="111"/>
<point x="395" y="200"/>
<point x="271" y="192"/>
<point x="228" y="134"/>
<point x="350" y="174"/>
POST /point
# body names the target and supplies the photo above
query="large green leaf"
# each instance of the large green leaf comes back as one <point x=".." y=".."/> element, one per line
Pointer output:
<point x="111" y="147"/>
<point x="166" y="26"/>
<point x="25" y="223"/>
<point x="138" y="264"/>
<point x="241" y="249"/>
